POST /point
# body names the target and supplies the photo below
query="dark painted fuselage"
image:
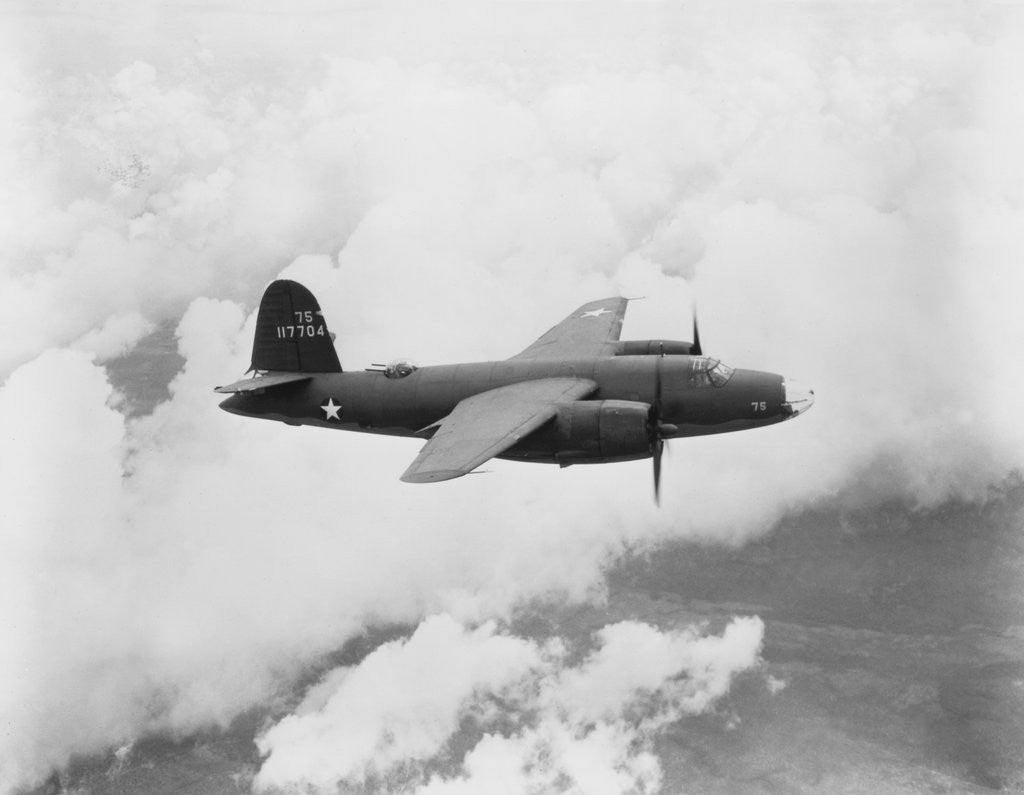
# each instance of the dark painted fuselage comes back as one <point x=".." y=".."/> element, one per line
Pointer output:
<point x="373" y="403"/>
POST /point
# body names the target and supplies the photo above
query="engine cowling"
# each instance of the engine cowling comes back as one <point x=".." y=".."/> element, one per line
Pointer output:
<point x="593" y="431"/>
<point x="653" y="348"/>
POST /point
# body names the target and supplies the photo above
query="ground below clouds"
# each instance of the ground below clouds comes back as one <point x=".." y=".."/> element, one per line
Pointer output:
<point x="894" y="661"/>
<point x="892" y="636"/>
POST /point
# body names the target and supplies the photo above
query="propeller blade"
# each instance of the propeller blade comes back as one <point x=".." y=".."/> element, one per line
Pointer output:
<point x="659" y="447"/>
<point x="695" y="349"/>
<point x="657" y="389"/>
<point x="657" y="442"/>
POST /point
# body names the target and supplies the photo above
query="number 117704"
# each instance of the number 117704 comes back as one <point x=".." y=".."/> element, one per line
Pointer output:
<point x="303" y="327"/>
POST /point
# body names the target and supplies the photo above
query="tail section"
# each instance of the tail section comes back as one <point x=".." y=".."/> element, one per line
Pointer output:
<point x="291" y="334"/>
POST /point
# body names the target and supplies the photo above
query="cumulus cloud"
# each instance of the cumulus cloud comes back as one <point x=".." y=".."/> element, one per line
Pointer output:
<point x="60" y="477"/>
<point x="538" y="720"/>
<point x="450" y="184"/>
<point x="162" y="575"/>
<point x="118" y="335"/>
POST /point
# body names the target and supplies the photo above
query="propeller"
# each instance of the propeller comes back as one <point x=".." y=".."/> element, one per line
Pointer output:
<point x="658" y="429"/>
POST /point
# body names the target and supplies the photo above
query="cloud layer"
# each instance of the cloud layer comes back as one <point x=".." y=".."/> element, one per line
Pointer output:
<point x="836" y="187"/>
<point x="537" y="721"/>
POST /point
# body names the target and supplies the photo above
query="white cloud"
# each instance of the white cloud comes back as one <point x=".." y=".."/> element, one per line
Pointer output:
<point x="584" y="727"/>
<point x="450" y="183"/>
<point x="172" y="566"/>
<point x="62" y="552"/>
<point x="400" y="705"/>
<point x="116" y="337"/>
<point x="611" y="676"/>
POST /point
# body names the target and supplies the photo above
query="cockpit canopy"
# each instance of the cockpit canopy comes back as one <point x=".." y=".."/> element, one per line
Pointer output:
<point x="399" y="368"/>
<point x="705" y="371"/>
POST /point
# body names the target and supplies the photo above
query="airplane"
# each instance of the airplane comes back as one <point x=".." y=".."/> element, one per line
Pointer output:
<point x="578" y="395"/>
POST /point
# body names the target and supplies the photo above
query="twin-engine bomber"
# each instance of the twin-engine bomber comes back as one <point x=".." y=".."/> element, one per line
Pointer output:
<point x="578" y="395"/>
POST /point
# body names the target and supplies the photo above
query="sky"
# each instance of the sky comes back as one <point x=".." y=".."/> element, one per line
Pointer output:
<point x="838" y="186"/>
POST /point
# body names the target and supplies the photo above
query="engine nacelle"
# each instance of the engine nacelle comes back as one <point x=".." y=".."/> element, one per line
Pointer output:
<point x="653" y="348"/>
<point x="596" y="431"/>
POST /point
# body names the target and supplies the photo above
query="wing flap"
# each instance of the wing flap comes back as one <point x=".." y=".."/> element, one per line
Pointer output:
<point x="589" y="332"/>
<point x="484" y="425"/>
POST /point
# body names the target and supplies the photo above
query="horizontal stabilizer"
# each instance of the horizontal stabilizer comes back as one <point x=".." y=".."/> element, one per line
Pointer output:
<point x="262" y="382"/>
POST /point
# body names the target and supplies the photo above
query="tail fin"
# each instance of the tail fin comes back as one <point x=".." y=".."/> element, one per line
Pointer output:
<point x="291" y="334"/>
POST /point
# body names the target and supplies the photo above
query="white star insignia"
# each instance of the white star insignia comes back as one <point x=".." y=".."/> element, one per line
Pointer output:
<point x="331" y="410"/>
<point x="596" y="312"/>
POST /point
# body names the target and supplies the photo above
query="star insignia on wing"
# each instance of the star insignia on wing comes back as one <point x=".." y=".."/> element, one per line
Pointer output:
<point x="596" y="312"/>
<point x="331" y="410"/>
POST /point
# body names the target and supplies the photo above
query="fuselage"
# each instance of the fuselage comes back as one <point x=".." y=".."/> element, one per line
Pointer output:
<point x="690" y="403"/>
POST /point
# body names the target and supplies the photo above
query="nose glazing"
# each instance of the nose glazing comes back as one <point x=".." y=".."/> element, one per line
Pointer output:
<point x="796" y="398"/>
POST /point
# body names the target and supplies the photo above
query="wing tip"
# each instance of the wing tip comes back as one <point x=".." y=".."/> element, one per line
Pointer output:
<point x="431" y="475"/>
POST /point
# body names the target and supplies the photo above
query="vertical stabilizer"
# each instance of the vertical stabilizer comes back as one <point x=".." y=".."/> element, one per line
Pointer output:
<point x="291" y="333"/>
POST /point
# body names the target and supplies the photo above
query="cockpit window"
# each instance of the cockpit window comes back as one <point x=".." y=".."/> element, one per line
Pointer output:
<point x="720" y="374"/>
<point x="709" y="372"/>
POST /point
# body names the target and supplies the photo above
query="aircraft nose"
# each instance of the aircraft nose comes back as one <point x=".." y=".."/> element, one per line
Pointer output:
<point x="796" y="398"/>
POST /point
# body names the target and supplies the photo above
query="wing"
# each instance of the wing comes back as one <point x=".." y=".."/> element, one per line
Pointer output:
<point x="482" y="426"/>
<point x="590" y="331"/>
